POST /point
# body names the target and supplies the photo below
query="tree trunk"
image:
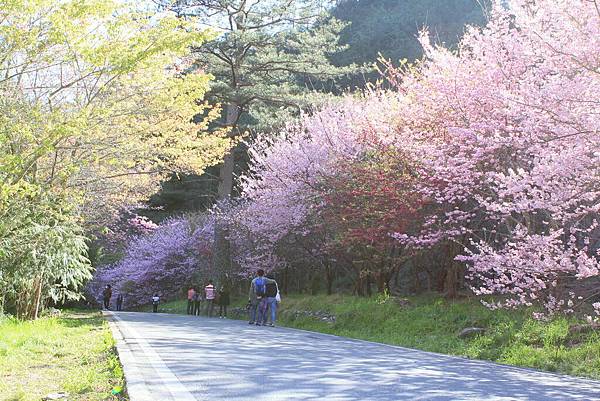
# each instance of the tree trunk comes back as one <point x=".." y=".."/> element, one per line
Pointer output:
<point x="329" y="278"/>
<point x="452" y="274"/>
<point x="38" y="298"/>
<point x="451" y="285"/>
<point x="221" y="246"/>
<point x="358" y="285"/>
<point x="440" y="279"/>
<point x="382" y="279"/>
<point x="285" y="281"/>
<point x="369" y="281"/>
<point x="315" y="284"/>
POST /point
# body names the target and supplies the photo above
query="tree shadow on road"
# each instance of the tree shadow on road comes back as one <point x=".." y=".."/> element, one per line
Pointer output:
<point x="231" y="360"/>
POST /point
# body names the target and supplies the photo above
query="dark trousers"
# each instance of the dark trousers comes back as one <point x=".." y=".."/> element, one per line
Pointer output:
<point x="154" y="308"/>
<point x="223" y="310"/>
<point x="190" y="307"/>
<point x="210" y="306"/>
<point x="106" y="303"/>
<point x="196" y="310"/>
<point x="119" y="305"/>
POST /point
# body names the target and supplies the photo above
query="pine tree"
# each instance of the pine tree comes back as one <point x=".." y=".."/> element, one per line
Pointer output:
<point x="263" y="61"/>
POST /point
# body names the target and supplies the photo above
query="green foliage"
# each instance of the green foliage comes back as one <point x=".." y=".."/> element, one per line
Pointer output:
<point x="267" y="56"/>
<point x="94" y="110"/>
<point x="74" y="353"/>
<point x="93" y="101"/>
<point x="42" y="250"/>
<point x="182" y="193"/>
<point x="389" y="28"/>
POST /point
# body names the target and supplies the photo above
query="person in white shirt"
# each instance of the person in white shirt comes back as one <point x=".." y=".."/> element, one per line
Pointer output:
<point x="155" y="301"/>
<point x="210" y="295"/>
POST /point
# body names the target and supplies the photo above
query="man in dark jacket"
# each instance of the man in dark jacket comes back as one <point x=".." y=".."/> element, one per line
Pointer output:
<point x="271" y="302"/>
<point x="223" y="300"/>
<point x="106" y="295"/>
<point x="120" y="302"/>
<point x="197" y="300"/>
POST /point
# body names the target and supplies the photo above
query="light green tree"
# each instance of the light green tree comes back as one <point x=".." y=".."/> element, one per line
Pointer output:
<point x="94" y="112"/>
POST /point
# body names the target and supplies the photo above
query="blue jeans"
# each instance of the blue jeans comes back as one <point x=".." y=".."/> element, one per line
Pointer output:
<point x="271" y="306"/>
<point x="262" y="310"/>
<point x="258" y="310"/>
<point x="254" y="312"/>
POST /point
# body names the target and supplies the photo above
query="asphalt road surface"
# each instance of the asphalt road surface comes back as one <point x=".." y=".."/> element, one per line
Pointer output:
<point x="185" y="358"/>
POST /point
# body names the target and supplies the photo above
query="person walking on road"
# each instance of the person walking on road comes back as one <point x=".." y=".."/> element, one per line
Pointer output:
<point x="223" y="301"/>
<point x="106" y="295"/>
<point x="271" y="302"/>
<point x="197" y="301"/>
<point x="190" y="297"/>
<point x="155" y="302"/>
<point x="257" y="297"/>
<point x="119" y="302"/>
<point x="210" y="294"/>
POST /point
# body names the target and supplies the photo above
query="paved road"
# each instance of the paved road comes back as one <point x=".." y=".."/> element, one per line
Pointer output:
<point x="174" y="357"/>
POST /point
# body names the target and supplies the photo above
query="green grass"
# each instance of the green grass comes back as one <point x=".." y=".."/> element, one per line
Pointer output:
<point x="432" y="323"/>
<point x="73" y="353"/>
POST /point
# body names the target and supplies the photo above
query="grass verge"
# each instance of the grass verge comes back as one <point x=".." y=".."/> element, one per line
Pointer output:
<point x="73" y="353"/>
<point x="432" y="323"/>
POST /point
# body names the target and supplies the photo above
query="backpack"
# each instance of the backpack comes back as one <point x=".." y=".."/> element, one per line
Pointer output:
<point x="271" y="290"/>
<point x="260" y="286"/>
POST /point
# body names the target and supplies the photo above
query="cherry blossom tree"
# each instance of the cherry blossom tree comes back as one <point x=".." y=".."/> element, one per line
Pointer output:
<point x="511" y="133"/>
<point x="165" y="260"/>
<point x="503" y="142"/>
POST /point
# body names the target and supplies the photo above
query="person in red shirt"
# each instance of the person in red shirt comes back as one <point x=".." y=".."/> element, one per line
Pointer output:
<point x="210" y="295"/>
<point x="190" y="297"/>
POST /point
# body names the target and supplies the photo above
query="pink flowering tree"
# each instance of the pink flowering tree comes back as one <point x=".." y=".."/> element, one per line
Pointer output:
<point x="289" y="189"/>
<point x="511" y="149"/>
<point x="166" y="260"/>
<point x="503" y="138"/>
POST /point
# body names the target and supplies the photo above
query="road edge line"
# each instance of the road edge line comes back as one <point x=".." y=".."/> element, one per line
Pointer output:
<point x="174" y="386"/>
<point x="134" y="381"/>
